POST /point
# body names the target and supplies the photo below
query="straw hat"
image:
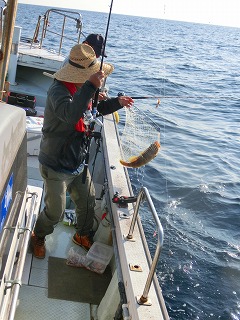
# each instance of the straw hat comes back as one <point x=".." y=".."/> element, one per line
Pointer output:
<point x="81" y="65"/>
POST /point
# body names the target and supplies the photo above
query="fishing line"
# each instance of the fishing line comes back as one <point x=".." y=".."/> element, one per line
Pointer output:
<point x="164" y="124"/>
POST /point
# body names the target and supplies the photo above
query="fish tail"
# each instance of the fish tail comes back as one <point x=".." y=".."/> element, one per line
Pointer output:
<point x="125" y="164"/>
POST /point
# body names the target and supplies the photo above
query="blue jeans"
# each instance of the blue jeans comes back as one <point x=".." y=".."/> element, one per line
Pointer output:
<point x="56" y="184"/>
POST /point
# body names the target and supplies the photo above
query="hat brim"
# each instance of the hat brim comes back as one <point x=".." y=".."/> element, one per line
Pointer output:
<point x="72" y="74"/>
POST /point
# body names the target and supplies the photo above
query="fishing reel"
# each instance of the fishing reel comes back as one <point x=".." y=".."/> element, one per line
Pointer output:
<point x="122" y="201"/>
<point x="104" y="89"/>
<point x="90" y="119"/>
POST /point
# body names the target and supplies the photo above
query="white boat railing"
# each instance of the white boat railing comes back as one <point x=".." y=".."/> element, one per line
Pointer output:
<point x="144" y="194"/>
<point x="15" y="235"/>
<point x="45" y="27"/>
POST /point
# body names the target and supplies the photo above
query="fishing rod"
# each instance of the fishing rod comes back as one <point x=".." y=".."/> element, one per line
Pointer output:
<point x="141" y="98"/>
<point x="95" y="102"/>
<point x="185" y="97"/>
<point x="159" y="98"/>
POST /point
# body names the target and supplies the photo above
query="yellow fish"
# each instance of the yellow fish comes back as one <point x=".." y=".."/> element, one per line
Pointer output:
<point x="144" y="157"/>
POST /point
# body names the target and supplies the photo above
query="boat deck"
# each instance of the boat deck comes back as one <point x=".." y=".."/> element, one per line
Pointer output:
<point x="35" y="285"/>
<point x="43" y="62"/>
<point x="35" y="275"/>
<point x="33" y="56"/>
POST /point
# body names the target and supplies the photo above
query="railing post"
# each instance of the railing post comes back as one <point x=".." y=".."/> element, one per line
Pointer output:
<point x="46" y="29"/>
<point x="143" y="299"/>
<point x="135" y="213"/>
<point x="62" y="35"/>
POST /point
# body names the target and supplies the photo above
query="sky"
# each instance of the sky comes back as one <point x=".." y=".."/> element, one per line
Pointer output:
<point x="218" y="12"/>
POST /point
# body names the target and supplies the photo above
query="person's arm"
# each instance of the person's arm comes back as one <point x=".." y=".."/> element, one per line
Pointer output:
<point x="67" y="108"/>
<point x="111" y="105"/>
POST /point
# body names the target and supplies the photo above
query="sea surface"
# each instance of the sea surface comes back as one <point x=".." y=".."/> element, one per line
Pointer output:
<point x="194" y="180"/>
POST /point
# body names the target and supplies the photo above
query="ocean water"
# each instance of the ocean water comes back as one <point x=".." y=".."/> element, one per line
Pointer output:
<point x="194" y="180"/>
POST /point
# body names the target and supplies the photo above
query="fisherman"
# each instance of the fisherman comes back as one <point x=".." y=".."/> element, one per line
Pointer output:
<point x="96" y="41"/>
<point x="63" y="145"/>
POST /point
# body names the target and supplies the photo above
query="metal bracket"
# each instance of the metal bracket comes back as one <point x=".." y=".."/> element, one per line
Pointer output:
<point x="9" y="228"/>
<point x="12" y="283"/>
<point x="124" y="216"/>
<point x="129" y="239"/>
<point x="23" y="229"/>
<point x="122" y="201"/>
<point x="135" y="267"/>
<point x="141" y="301"/>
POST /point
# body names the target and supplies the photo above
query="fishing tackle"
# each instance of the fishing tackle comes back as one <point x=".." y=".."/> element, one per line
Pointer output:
<point x="88" y="119"/>
<point x="140" y="98"/>
<point x="122" y="201"/>
<point x="116" y="116"/>
<point x="144" y="157"/>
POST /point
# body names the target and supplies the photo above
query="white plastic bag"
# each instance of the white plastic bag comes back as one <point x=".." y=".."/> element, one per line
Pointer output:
<point x="76" y="258"/>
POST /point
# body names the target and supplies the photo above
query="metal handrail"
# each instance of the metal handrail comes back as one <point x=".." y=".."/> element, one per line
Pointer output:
<point x="65" y="14"/>
<point x="10" y="287"/>
<point x="5" y="234"/>
<point x="26" y="231"/>
<point x="6" y="281"/>
<point x="144" y="192"/>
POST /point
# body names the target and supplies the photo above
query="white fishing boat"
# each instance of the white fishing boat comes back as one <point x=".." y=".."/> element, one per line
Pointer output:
<point x="125" y="286"/>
